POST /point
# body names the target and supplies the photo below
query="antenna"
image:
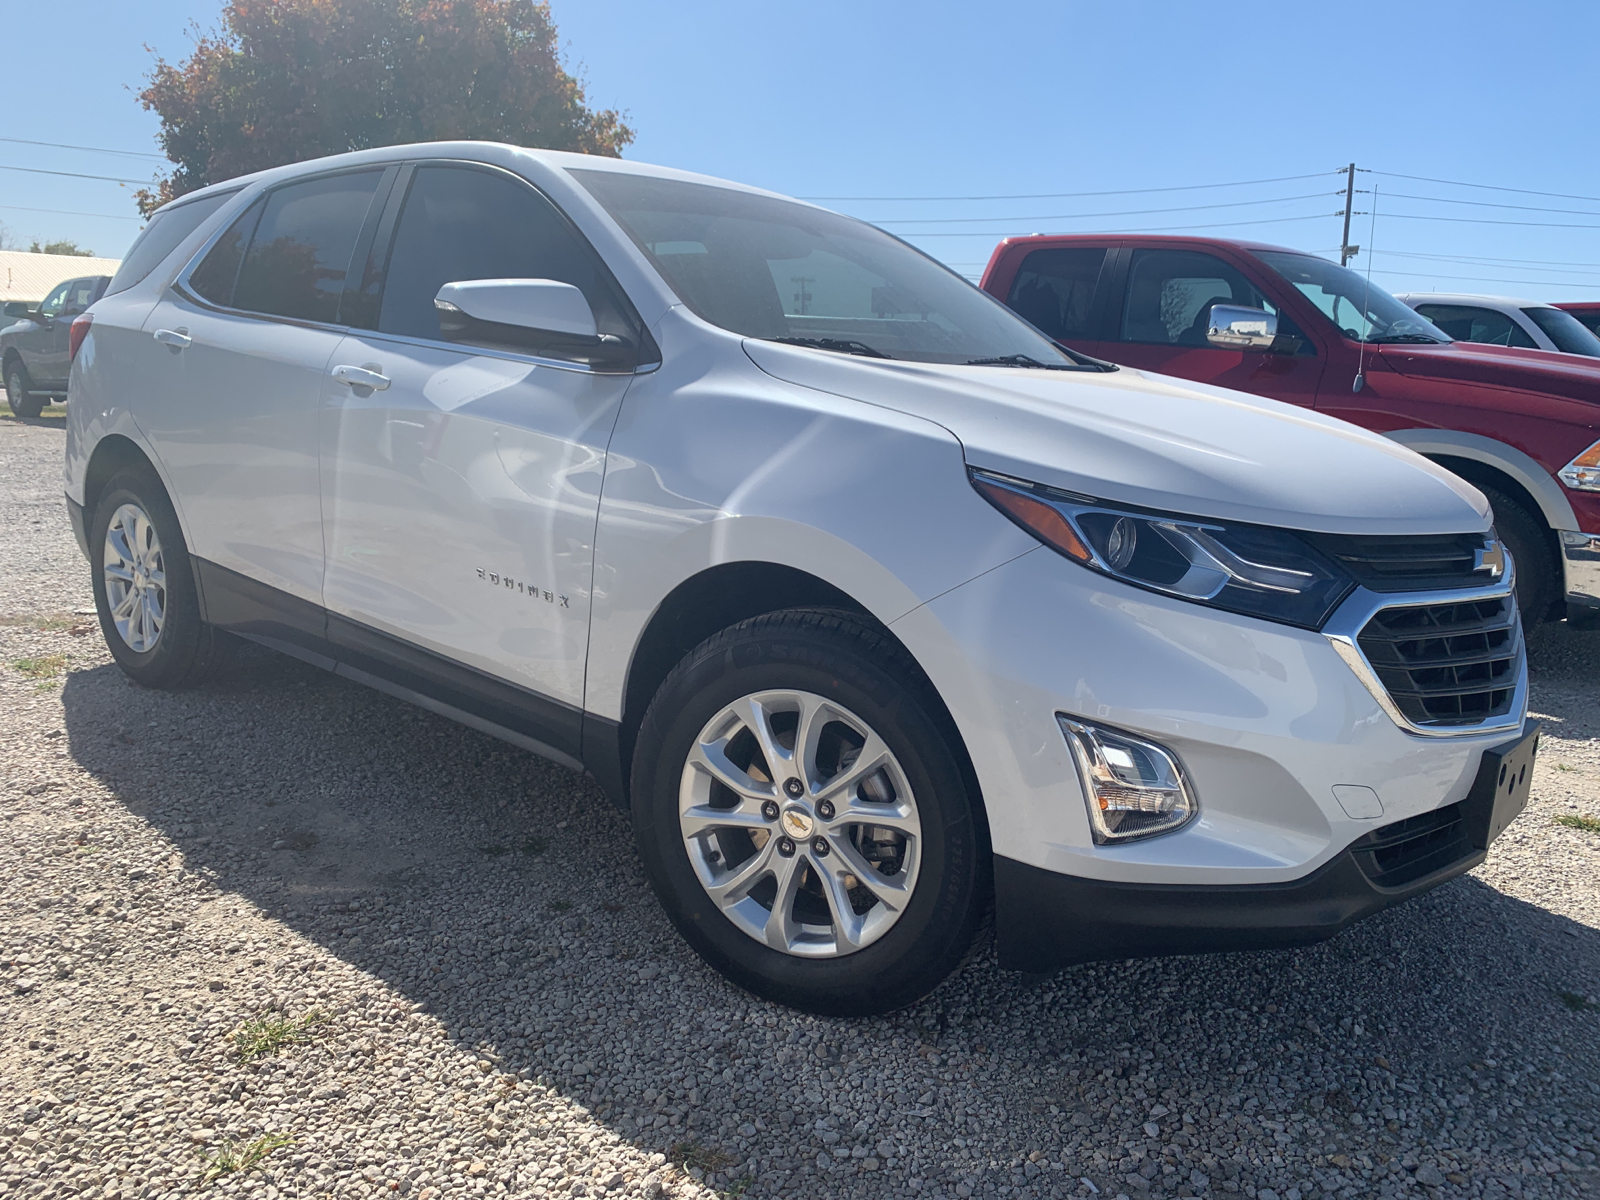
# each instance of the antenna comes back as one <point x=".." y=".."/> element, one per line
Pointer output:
<point x="1366" y="301"/>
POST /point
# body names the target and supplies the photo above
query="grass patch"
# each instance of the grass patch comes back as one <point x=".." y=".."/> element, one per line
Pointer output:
<point x="234" y="1159"/>
<point x="1563" y="767"/>
<point x="535" y="845"/>
<point x="1576" y="1001"/>
<point x="46" y="666"/>
<point x="1573" y="821"/>
<point x="693" y="1154"/>
<point x="264" y="1036"/>
<point x="494" y="851"/>
<point x="560" y="906"/>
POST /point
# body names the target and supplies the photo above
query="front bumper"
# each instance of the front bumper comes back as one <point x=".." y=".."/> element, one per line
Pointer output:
<point x="1045" y="920"/>
<point x="1580" y="554"/>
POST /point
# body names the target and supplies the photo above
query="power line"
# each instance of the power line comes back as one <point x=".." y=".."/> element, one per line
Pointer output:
<point x="1489" y="221"/>
<point x="1082" y="216"/>
<point x="1492" y="187"/>
<point x="1158" y="229"/>
<point x="1578" y="212"/>
<point x="65" y="212"/>
<point x="1188" y="187"/>
<point x="91" y="149"/>
<point x="1488" y="278"/>
<point x="1478" y="261"/>
<point x="71" y="174"/>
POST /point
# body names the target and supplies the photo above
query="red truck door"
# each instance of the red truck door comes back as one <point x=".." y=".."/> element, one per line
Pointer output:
<point x="1160" y="309"/>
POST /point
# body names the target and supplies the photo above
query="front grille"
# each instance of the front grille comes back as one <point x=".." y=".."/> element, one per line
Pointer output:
<point x="1408" y="564"/>
<point x="1401" y="853"/>
<point x="1448" y="663"/>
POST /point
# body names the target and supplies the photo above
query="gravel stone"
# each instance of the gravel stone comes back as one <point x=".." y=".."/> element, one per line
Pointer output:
<point x="478" y="996"/>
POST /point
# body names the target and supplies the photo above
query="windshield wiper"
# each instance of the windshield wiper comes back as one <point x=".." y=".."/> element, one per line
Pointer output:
<point x="837" y="345"/>
<point x="1017" y="360"/>
<point x="1405" y="337"/>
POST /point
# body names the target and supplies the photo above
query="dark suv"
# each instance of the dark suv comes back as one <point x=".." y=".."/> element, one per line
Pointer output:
<point x="36" y="351"/>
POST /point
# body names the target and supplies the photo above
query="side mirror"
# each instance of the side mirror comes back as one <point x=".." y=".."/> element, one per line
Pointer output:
<point x="18" y="310"/>
<point x="538" y="315"/>
<point x="1234" y="327"/>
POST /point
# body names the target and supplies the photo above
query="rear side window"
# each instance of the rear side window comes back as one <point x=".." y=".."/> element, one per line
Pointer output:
<point x="1467" y="323"/>
<point x="1054" y="291"/>
<point x="1589" y="319"/>
<point x="300" y="250"/>
<point x="1562" y="328"/>
<point x="80" y="295"/>
<point x="161" y="237"/>
<point x="460" y="224"/>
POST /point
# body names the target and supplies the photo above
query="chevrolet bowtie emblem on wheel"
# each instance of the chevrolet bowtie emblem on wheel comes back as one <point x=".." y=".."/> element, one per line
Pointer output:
<point x="1492" y="558"/>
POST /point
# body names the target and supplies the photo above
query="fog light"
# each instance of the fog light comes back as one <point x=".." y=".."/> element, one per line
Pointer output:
<point x="1134" y="788"/>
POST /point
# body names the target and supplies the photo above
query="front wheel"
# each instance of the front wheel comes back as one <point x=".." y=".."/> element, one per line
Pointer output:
<point x="1538" y="580"/>
<point x="803" y="820"/>
<point x="24" y="401"/>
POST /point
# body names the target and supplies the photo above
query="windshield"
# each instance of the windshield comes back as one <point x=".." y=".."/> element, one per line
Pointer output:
<point x="782" y="271"/>
<point x="1363" y="313"/>
<point x="1565" y="330"/>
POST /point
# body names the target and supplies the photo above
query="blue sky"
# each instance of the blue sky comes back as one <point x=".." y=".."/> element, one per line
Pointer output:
<point x="919" y="103"/>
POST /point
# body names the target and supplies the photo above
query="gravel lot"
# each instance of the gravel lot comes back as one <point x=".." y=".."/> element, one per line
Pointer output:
<point x="487" y="1000"/>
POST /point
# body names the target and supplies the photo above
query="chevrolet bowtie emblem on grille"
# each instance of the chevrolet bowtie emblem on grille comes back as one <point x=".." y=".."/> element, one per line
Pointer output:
<point x="1492" y="558"/>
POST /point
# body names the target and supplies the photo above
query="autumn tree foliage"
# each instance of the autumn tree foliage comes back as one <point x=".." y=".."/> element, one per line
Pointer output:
<point x="285" y="80"/>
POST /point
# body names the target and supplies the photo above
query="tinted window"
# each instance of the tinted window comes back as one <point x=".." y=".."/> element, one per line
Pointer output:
<point x="1054" y="291"/>
<point x="214" y="278"/>
<point x="1170" y="294"/>
<point x="769" y="268"/>
<point x="56" y="300"/>
<point x="460" y="224"/>
<point x="1467" y="323"/>
<point x="80" y="294"/>
<point x="1562" y="328"/>
<point x="300" y="252"/>
<point x="1589" y="319"/>
<point x="161" y="237"/>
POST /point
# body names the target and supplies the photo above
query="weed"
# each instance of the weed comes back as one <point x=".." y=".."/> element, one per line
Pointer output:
<point x="740" y="1187"/>
<point x="493" y="851"/>
<point x="692" y="1154"/>
<point x="264" y="1036"/>
<point x="561" y="906"/>
<point x="46" y="666"/>
<point x="1574" y="821"/>
<point x="234" y="1159"/>
<point x="534" y="845"/>
<point x="1562" y="767"/>
<point x="1576" y="1001"/>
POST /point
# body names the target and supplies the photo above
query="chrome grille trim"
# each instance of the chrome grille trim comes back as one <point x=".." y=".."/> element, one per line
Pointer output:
<point x="1348" y="622"/>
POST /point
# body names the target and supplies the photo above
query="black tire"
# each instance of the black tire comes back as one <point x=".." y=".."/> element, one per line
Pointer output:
<point x="839" y="657"/>
<point x="1528" y="539"/>
<point x="187" y="649"/>
<point x="24" y="401"/>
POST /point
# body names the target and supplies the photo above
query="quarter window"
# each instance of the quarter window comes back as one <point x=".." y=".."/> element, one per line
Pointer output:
<point x="161" y="237"/>
<point x="1054" y="291"/>
<point x="214" y="278"/>
<point x="460" y="224"/>
<point x="300" y="251"/>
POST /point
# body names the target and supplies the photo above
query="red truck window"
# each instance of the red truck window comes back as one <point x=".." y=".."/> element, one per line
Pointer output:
<point x="1170" y="294"/>
<point x="1054" y="291"/>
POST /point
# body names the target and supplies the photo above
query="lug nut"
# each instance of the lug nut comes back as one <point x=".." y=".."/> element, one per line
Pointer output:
<point x="825" y="810"/>
<point x="819" y="847"/>
<point x="769" y="810"/>
<point x="794" y="787"/>
<point x="786" y="847"/>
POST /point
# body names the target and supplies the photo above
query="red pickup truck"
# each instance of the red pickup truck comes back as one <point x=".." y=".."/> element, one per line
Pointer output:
<point x="1522" y="425"/>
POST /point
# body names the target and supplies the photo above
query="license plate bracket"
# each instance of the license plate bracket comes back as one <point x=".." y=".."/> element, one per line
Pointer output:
<point x="1501" y="790"/>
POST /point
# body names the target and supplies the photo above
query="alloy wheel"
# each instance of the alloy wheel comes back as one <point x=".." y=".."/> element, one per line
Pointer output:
<point x="800" y="824"/>
<point x="135" y="578"/>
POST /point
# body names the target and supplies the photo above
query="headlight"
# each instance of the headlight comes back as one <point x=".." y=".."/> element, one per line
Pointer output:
<point x="1251" y="569"/>
<point x="1582" y="474"/>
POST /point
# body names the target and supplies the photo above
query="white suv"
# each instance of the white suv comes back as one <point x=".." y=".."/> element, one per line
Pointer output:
<point x="878" y="609"/>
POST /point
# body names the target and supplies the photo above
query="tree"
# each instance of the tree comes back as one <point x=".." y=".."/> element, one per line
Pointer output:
<point x="62" y="247"/>
<point x="286" y="80"/>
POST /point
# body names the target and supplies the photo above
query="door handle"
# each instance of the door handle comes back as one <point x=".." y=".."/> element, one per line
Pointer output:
<point x="176" y="338"/>
<point x="361" y="377"/>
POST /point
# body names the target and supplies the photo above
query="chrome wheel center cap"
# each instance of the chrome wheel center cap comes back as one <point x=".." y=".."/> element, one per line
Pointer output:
<point x="797" y="823"/>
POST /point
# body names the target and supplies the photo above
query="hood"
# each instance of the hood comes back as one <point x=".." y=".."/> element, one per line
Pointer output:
<point x="1156" y="442"/>
<point x="1573" y="376"/>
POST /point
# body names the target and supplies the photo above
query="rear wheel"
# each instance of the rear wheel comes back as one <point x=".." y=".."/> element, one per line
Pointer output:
<point x="144" y="588"/>
<point x="1528" y="540"/>
<point x="803" y="820"/>
<point x="24" y="401"/>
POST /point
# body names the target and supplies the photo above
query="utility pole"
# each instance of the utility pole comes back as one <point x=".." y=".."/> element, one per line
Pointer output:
<point x="1346" y="250"/>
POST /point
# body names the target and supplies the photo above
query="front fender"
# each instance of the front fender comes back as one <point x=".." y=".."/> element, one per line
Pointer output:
<point x="1537" y="481"/>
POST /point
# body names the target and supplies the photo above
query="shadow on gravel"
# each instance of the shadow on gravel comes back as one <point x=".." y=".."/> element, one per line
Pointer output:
<point x="503" y="894"/>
